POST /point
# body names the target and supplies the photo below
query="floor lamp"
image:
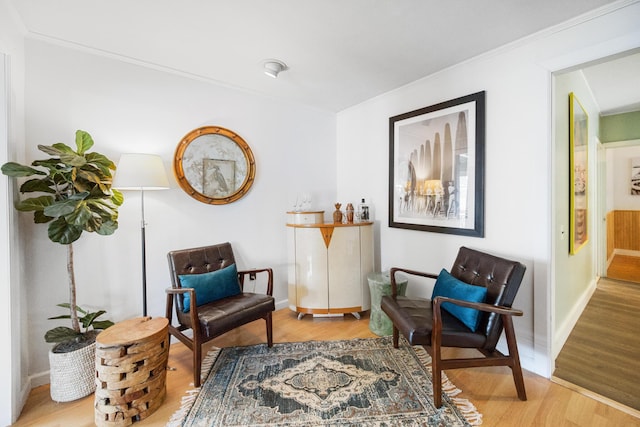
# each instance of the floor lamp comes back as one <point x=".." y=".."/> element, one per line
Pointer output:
<point x="141" y="172"/>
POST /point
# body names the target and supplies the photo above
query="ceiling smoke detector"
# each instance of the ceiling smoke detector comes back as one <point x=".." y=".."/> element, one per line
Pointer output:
<point x="272" y="67"/>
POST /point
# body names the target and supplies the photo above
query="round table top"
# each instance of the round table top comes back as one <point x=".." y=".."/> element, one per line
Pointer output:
<point x="383" y="278"/>
<point x="132" y="331"/>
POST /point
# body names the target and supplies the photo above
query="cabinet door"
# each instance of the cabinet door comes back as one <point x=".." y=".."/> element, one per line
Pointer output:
<point x="291" y="268"/>
<point x="311" y="270"/>
<point x="345" y="290"/>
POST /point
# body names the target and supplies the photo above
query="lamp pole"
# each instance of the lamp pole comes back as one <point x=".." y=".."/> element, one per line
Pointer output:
<point x="140" y="172"/>
<point x="143" y="225"/>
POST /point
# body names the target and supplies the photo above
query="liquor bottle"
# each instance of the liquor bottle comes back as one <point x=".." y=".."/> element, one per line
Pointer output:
<point x="364" y="211"/>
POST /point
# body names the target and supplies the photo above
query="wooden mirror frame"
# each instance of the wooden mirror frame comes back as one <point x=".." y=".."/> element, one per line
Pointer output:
<point x="188" y="187"/>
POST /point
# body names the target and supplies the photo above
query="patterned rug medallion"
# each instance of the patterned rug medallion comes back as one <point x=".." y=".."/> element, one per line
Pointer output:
<point x="361" y="382"/>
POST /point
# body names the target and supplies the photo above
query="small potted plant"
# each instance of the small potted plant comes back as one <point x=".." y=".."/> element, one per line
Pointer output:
<point x="75" y="196"/>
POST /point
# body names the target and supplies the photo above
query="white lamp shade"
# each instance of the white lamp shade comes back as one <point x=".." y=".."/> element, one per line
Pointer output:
<point x="140" y="172"/>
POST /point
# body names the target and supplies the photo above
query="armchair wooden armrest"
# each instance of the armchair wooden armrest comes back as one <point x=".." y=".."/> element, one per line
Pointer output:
<point x="394" y="270"/>
<point x="172" y="294"/>
<point x="269" y="271"/>
<point x="437" y="301"/>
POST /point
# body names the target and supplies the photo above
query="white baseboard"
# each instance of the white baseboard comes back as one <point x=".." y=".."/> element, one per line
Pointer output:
<point x="563" y="332"/>
<point x="282" y="304"/>
<point x="39" y="379"/>
<point x="627" y="252"/>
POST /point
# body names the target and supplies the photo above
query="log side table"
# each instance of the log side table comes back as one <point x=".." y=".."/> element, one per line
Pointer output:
<point x="131" y="361"/>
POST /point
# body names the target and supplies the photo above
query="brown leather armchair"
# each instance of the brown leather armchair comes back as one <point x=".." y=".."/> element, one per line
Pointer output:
<point x="424" y="322"/>
<point x="214" y="318"/>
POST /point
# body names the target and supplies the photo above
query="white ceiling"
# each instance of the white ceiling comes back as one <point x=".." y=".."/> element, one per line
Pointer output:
<point x="339" y="52"/>
<point x="615" y="84"/>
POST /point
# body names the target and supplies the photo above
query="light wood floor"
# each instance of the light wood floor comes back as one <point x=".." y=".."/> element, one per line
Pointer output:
<point x="624" y="267"/>
<point x="490" y="389"/>
<point x="601" y="353"/>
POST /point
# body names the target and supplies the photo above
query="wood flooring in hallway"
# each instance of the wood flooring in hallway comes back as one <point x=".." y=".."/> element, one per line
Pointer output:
<point x="601" y="353"/>
<point x="624" y="267"/>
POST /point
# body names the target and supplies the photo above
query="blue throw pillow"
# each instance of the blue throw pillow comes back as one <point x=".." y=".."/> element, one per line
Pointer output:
<point x="210" y="286"/>
<point x="448" y="286"/>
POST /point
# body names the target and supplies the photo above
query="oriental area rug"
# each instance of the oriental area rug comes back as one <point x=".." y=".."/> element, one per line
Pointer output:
<point x="360" y="382"/>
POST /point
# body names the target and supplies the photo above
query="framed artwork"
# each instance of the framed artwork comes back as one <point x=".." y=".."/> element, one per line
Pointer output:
<point x="436" y="167"/>
<point x="214" y="165"/>
<point x="635" y="176"/>
<point x="579" y="169"/>
<point x="218" y="177"/>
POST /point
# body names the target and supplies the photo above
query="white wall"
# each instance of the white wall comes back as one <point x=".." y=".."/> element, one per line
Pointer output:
<point x="575" y="275"/>
<point x="128" y="108"/>
<point x="14" y="385"/>
<point x="619" y="173"/>
<point x="517" y="80"/>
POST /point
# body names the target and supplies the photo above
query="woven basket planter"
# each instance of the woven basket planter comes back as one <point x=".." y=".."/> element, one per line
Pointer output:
<point x="72" y="374"/>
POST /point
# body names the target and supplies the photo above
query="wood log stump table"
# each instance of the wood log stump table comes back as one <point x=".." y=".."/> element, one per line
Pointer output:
<point x="131" y="362"/>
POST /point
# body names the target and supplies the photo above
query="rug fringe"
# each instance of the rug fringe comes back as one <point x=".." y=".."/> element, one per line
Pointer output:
<point x="189" y="399"/>
<point x="467" y="409"/>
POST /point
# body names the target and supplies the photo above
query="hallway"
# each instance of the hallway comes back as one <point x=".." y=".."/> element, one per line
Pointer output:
<point x="600" y="354"/>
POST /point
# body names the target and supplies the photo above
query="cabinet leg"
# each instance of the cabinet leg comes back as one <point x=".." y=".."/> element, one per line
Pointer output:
<point x="300" y="316"/>
<point x="356" y="315"/>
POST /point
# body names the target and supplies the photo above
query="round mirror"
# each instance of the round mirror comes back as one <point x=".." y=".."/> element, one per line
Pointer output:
<point x="214" y="165"/>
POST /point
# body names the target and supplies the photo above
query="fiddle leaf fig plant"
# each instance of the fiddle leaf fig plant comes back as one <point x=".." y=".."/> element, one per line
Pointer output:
<point x="63" y="335"/>
<point x="73" y="195"/>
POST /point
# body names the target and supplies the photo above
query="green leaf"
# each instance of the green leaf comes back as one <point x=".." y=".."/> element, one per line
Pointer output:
<point x="61" y="334"/>
<point x="34" y="204"/>
<point x="66" y="154"/>
<point x="63" y="148"/>
<point x="83" y="141"/>
<point x="89" y="176"/>
<point x="41" y="185"/>
<point x="62" y="316"/>
<point x="68" y="306"/>
<point x="102" y="324"/>
<point x="117" y="197"/>
<point x="107" y="228"/>
<point x="51" y="164"/>
<point x="73" y="159"/>
<point x="63" y="233"/>
<point x="17" y="170"/>
<point x="80" y="216"/>
<point x="101" y="162"/>
<point x="93" y="224"/>
<point x="40" y="218"/>
<point x="53" y="150"/>
<point x="90" y="317"/>
<point x="61" y="208"/>
<point x="103" y="208"/>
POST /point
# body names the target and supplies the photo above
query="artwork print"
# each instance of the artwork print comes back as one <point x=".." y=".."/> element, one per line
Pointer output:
<point x="436" y="180"/>
<point x="218" y="177"/>
<point x="579" y="168"/>
<point x="635" y="176"/>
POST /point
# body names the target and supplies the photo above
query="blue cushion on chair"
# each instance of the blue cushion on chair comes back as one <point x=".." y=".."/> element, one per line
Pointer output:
<point x="448" y="286"/>
<point x="210" y="286"/>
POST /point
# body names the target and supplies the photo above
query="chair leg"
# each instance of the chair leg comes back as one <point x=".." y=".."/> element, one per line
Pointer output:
<point x="396" y="337"/>
<point x="436" y="374"/>
<point x="516" y="369"/>
<point x="269" y="322"/>
<point x="197" y="363"/>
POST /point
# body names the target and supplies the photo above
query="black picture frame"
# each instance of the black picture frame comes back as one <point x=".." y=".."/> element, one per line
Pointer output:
<point x="436" y="167"/>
